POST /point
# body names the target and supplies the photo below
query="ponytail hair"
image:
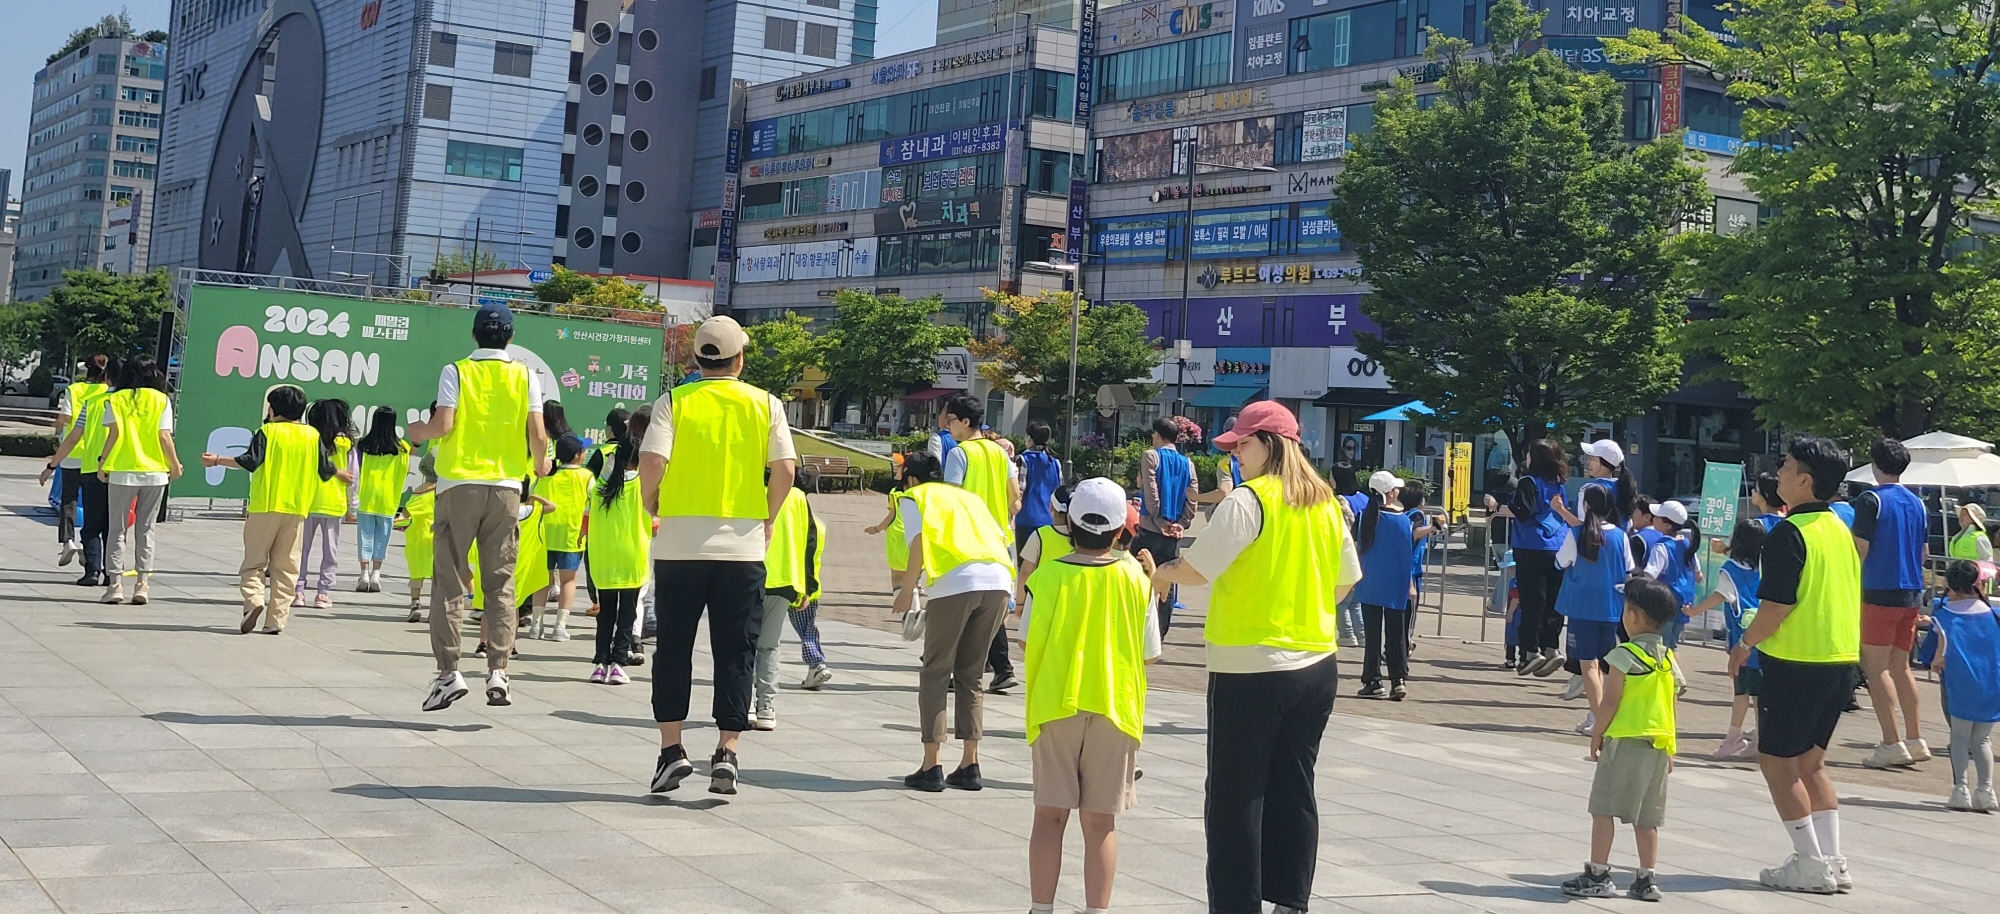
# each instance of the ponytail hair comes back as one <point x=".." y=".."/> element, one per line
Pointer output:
<point x="1596" y="513"/>
<point x="613" y="484"/>
<point x="381" y="440"/>
<point x="1746" y="542"/>
<point x="330" y="417"/>
<point x="1623" y="491"/>
<point x="1364" y="532"/>
<point x="97" y="370"/>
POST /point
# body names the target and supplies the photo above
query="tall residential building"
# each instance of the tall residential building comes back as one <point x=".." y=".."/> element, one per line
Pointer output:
<point x="93" y="148"/>
<point x="959" y="20"/>
<point x="339" y="139"/>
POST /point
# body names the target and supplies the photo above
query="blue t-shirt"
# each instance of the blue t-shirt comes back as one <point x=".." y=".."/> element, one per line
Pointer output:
<point x="1386" y="563"/>
<point x="1971" y="663"/>
<point x="1594" y="591"/>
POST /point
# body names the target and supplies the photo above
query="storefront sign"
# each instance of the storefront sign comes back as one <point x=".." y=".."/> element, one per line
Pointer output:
<point x="1199" y="367"/>
<point x="1308" y="184"/>
<point x="1713" y="143"/>
<point x="807" y="260"/>
<point x="1132" y="25"/>
<point x="1589" y="54"/>
<point x="1086" y="60"/>
<point x="954" y="368"/>
<point x="1078" y="208"/>
<point x="1349" y="369"/>
<point x="1419" y="73"/>
<point x="915" y="216"/>
<point x="1670" y="98"/>
<point x="805" y="87"/>
<point x="1263" y="37"/>
<point x="948" y="144"/>
<point x="708" y="218"/>
<point x="805" y="230"/>
<point x="799" y="165"/>
<point x="1596" y="17"/>
<point x="1242" y="366"/>
<point x="1264" y="317"/>
<point x="895" y="72"/>
<point x="972" y="58"/>
<point x="1180" y="191"/>
<point x="1197" y="103"/>
<point x="1273" y="273"/>
<point x="1324" y="135"/>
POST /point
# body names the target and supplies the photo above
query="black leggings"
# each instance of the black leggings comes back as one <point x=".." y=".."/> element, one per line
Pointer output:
<point x="71" y="481"/>
<point x="96" y="522"/>
<point x="1540" y="580"/>
<point x="617" y="613"/>
<point x="1388" y="637"/>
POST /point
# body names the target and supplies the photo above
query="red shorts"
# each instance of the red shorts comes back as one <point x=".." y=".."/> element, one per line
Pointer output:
<point x="1889" y="626"/>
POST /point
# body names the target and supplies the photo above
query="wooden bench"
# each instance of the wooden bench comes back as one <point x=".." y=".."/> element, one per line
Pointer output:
<point x="818" y="472"/>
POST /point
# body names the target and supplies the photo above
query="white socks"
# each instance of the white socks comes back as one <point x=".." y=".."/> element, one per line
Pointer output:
<point x="1826" y="829"/>
<point x="1037" y="908"/>
<point x="1804" y="840"/>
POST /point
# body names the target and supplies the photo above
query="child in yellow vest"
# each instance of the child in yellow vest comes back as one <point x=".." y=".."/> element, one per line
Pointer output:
<point x="568" y="488"/>
<point x="531" y="568"/>
<point x="1633" y="744"/>
<point x="620" y="546"/>
<point x="418" y="514"/>
<point x="385" y="467"/>
<point x="1088" y="642"/>
<point x="287" y="462"/>
<point x="334" y="503"/>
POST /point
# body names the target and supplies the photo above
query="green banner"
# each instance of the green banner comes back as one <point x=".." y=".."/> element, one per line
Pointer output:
<point x="1721" y="488"/>
<point x="242" y="342"/>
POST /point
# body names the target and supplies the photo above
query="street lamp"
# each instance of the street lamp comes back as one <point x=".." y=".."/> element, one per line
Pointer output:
<point x="1069" y="271"/>
<point x="1187" y="269"/>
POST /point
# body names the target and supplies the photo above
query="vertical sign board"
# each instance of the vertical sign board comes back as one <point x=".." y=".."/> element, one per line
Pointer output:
<point x="732" y="169"/>
<point x="1458" y="481"/>
<point x="1721" y="490"/>
<point x="1079" y="205"/>
<point x="1079" y="189"/>
<point x="243" y="342"/>
<point x="1263" y="38"/>
<point x="1671" y="78"/>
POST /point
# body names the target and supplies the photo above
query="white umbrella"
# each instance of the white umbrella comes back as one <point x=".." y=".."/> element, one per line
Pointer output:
<point x="1946" y="460"/>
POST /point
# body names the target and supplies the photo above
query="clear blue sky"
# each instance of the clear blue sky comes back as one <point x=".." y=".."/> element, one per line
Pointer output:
<point x="36" y="28"/>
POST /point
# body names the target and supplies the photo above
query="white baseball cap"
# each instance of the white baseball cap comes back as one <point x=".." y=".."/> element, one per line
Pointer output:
<point x="1097" y="505"/>
<point x="1606" y="450"/>
<point x="1671" y="510"/>
<point x="1382" y="482"/>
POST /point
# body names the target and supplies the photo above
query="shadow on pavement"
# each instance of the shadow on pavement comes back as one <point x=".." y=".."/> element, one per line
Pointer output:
<point x="586" y="717"/>
<point x="1548" y="894"/>
<point x="338" y="720"/>
<point x="229" y="630"/>
<point x="490" y="794"/>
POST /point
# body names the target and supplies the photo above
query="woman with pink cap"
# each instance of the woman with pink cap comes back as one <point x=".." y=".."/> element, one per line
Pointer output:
<point x="1280" y="559"/>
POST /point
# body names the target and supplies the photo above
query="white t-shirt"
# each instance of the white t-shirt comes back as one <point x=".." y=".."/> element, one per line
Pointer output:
<point x="966" y="578"/>
<point x="447" y="395"/>
<point x="1152" y="631"/>
<point x="140" y="479"/>
<point x="1237" y="522"/>
<point x="725" y="539"/>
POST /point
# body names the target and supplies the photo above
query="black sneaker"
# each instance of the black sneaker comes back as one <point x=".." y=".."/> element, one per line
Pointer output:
<point x="966" y="778"/>
<point x="1590" y="885"/>
<point x="1644" y="888"/>
<point x="722" y="772"/>
<point x="637" y="658"/>
<point x="1002" y="684"/>
<point x="482" y="649"/>
<point x="1397" y="692"/>
<point x="674" y="768"/>
<point x="1374" y="690"/>
<point x="928" y="780"/>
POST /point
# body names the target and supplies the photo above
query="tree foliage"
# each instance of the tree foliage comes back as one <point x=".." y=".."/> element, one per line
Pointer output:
<point x="881" y="346"/>
<point x="103" y="312"/>
<point x="1031" y="360"/>
<point x="1514" y="243"/>
<point x="111" y="26"/>
<point x="585" y="294"/>
<point x="779" y="353"/>
<point x="566" y="285"/>
<point x="461" y="262"/>
<point x="1867" y="302"/>
<point x="21" y="332"/>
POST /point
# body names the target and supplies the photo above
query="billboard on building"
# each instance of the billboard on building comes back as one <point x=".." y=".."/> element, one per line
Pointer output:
<point x="1263" y="38"/>
<point x="1248" y="143"/>
<point x="1137" y="156"/>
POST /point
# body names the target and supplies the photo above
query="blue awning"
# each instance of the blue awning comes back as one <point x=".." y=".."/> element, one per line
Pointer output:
<point x="1401" y="413"/>
<point x="1226" y="397"/>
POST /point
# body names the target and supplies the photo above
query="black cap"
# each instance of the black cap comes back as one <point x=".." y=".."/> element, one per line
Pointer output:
<point x="494" y="315"/>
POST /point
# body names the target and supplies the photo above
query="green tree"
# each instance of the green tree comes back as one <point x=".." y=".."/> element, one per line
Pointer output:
<point x="1515" y="245"/>
<point x="565" y="286"/>
<point x="779" y="353"/>
<point x="1867" y="302"/>
<point x="879" y="347"/>
<point x="21" y="334"/>
<point x="103" y="312"/>
<point x="111" y="26"/>
<point x="1031" y="361"/>
<point x="461" y="262"/>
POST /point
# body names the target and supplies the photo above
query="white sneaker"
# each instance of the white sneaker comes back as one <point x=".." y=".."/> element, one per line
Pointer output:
<point x="766" y="719"/>
<point x="1889" y="755"/>
<point x="1589" y="723"/>
<point x="616" y="675"/>
<point x="816" y="677"/>
<point x="1842" y="881"/>
<point x="1749" y="751"/>
<point x="1984" y="799"/>
<point x="1573" y="689"/>
<point x="1919" y="750"/>
<point x="1813" y="875"/>
<point x="561" y="633"/>
<point x="535" y="631"/>
<point x="498" y="692"/>
<point x="445" y="689"/>
<point x="1961" y="799"/>
<point x="66" y="553"/>
<point x="1549" y="663"/>
<point x="114" y="592"/>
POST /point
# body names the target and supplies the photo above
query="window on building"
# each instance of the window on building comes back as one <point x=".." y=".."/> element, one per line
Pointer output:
<point x="781" y="34"/>
<point x="437" y="102"/>
<point x="1376" y="32"/>
<point x="510" y="59"/>
<point x="137" y="94"/>
<point x="707" y="85"/>
<point x="642" y="91"/>
<point x="145" y="144"/>
<point x="579" y="15"/>
<point x="1178" y="67"/>
<point x="822" y="40"/>
<point x="1642" y="111"/>
<point x="1713" y="112"/>
<point x="444" y="49"/>
<point x="1051" y="94"/>
<point x="481" y="160"/>
<point x="144" y="170"/>
<point x="828" y="4"/>
<point x="1049" y="171"/>
<point x="120" y="194"/>
<point x="649" y="40"/>
<point x="149" y="120"/>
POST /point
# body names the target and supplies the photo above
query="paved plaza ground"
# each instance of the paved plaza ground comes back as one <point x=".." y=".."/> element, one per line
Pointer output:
<point x="151" y="759"/>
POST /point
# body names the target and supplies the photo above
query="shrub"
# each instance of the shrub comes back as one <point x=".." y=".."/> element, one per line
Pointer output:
<point x="27" y="444"/>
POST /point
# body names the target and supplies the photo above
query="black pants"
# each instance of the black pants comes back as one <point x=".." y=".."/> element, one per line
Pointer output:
<point x="1261" y="818"/>
<point x="733" y="595"/>
<point x="96" y="521"/>
<point x="71" y="481"/>
<point x="616" y="616"/>
<point x="1540" y="580"/>
<point x="1164" y="549"/>
<point x="1387" y="633"/>
<point x="997" y="659"/>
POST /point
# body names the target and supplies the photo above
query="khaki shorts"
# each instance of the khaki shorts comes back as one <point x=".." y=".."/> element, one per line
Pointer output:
<point x="1631" y="782"/>
<point x="1085" y="762"/>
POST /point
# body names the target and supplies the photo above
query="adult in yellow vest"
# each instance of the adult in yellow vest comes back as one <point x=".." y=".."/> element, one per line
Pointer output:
<point x="982" y="467"/>
<point x="336" y="502"/>
<point x="1281" y="558"/>
<point x="1971" y="542"/>
<point x="287" y="464"/>
<point x="701" y="471"/>
<point x="77" y="460"/>
<point x="961" y="556"/>
<point x="1807" y="635"/>
<point x="76" y="400"/>
<point x="488" y="426"/>
<point x="137" y="464"/>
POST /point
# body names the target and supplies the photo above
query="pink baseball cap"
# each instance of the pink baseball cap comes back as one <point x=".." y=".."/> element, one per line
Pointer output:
<point x="1261" y="416"/>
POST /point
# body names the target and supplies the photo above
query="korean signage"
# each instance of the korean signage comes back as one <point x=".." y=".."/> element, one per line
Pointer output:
<point x="1712" y="143"/>
<point x="1589" y="54"/>
<point x="799" y="165"/>
<point x="1263" y="37"/>
<point x="954" y="368"/>
<point x="763" y="139"/>
<point x="1670" y="98"/>
<point x="732" y="167"/>
<point x="1262" y="318"/>
<point x="1133" y="240"/>
<point x="918" y="215"/>
<point x="1599" y="17"/>
<point x="708" y="218"/>
<point x="896" y="72"/>
<point x="1307" y="184"/>
<point x="807" y="260"/>
<point x="1180" y="191"/>
<point x="1078" y="207"/>
<point x="948" y="144"/>
<point x="1721" y="485"/>
<point x="1086" y="59"/>
<point x="1132" y="25"/>
<point x="1197" y="103"/>
<point x="804" y="230"/>
<point x="1199" y="367"/>
<point x="804" y="87"/>
<point x="1324" y="135"/>
<point x="1274" y="273"/>
<point x="971" y="58"/>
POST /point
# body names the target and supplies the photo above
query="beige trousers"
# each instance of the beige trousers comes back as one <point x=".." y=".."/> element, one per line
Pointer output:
<point x="467" y="516"/>
<point x="271" y="546"/>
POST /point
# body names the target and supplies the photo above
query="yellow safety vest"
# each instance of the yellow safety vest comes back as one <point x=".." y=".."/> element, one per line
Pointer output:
<point x="785" y="557"/>
<point x="489" y="434"/>
<point x="90" y="445"/>
<point x="76" y="395"/>
<point x="332" y="500"/>
<point x="956" y="529"/>
<point x="382" y="477"/>
<point x="569" y="489"/>
<point x="1646" y="708"/>
<point x="1825" y="625"/>
<point x="609" y="450"/>
<point x="1054" y="544"/>
<point x="986" y="477"/>
<point x="1966" y="544"/>
<point x="287" y="482"/>
<point x="531" y="556"/>
<point x="620" y="538"/>
<point x="1280" y="590"/>
<point x="417" y="540"/>
<point x="895" y="543"/>
<point x="1086" y="644"/>
<point x="138" y="448"/>
<point x="722" y="442"/>
<point x="818" y="559"/>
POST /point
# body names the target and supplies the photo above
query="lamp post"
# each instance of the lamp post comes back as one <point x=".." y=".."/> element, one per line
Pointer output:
<point x="1187" y="268"/>
<point x="1069" y="271"/>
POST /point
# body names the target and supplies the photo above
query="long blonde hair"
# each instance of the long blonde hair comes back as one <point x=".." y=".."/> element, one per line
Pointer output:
<point x="1302" y="484"/>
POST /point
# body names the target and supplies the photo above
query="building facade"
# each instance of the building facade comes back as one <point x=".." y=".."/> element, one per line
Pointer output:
<point x="93" y="152"/>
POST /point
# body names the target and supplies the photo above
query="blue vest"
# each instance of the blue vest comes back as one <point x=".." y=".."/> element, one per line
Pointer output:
<point x="1235" y="471"/>
<point x="1175" y="471"/>
<point x="1387" y="563"/>
<point x="1041" y="473"/>
<point x="1594" y="591"/>
<point x="1357" y="504"/>
<point x="1770" y="521"/>
<point x="1678" y="574"/>
<point x="1544" y="530"/>
<point x="1971" y="665"/>
<point x="1896" y="550"/>
<point x="945" y="445"/>
<point x="1648" y="538"/>
<point x="1845" y="511"/>
<point x="1746" y="580"/>
<point x="1610" y="487"/>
